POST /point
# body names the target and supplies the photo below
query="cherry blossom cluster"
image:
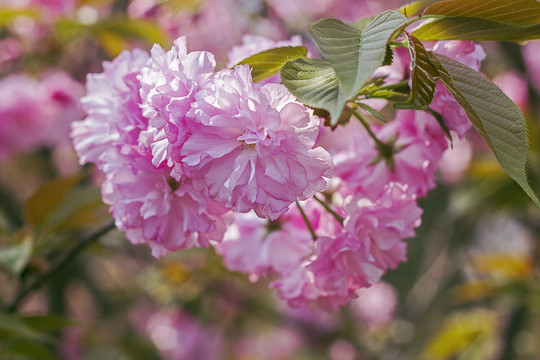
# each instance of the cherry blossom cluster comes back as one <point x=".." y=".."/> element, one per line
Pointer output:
<point x="198" y="157"/>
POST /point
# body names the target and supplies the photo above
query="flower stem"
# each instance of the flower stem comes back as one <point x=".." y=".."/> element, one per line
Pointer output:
<point x="308" y="224"/>
<point x="58" y="263"/>
<point x="332" y="212"/>
<point x="383" y="148"/>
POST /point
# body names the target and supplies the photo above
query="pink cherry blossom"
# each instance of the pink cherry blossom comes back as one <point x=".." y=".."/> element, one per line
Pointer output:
<point x="168" y="90"/>
<point x="155" y="209"/>
<point x="151" y="207"/>
<point x="257" y="247"/>
<point x="112" y="104"/>
<point x="382" y="225"/>
<point x="343" y="264"/>
<point x="253" y="145"/>
<point x="416" y="143"/>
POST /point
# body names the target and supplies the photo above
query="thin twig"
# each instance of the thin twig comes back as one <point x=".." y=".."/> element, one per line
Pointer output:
<point x="359" y="116"/>
<point x="58" y="263"/>
<point x="329" y="209"/>
<point x="312" y="232"/>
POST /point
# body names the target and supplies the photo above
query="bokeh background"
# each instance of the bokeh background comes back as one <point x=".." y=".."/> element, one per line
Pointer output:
<point x="469" y="290"/>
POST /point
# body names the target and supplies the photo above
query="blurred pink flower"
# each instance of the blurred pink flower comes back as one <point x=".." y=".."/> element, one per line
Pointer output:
<point x="342" y="350"/>
<point x="253" y="145"/>
<point x="57" y="7"/>
<point x="41" y="110"/>
<point x="217" y="26"/>
<point x="375" y="305"/>
<point x="455" y="161"/>
<point x="530" y="53"/>
<point x="514" y="86"/>
<point x="274" y="344"/>
<point x="178" y="336"/>
<point x="62" y="94"/>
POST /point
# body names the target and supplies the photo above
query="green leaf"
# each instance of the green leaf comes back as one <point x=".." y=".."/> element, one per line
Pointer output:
<point x="517" y="12"/>
<point x="47" y="198"/>
<point x="8" y="14"/>
<point x="516" y="20"/>
<point x="353" y="54"/>
<point x="81" y="207"/>
<point x="12" y="326"/>
<point x="14" y="258"/>
<point x="415" y="8"/>
<point x="269" y="62"/>
<point x="47" y="322"/>
<point x="424" y="77"/>
<point x="114" y="33"/>
<point x="498" y="120"/>
<point x="371" y="111"/>
<point x="463" y="28"/>
<point x="26" y="350"/>
<point x="314" y="82"/>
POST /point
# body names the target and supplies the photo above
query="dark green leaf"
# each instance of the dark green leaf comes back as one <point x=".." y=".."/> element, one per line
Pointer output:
<point x="269" y="62"/>
<point x="517" y="12"/>
<point x="26" y="350"/>
<point x="464" y="28"/>
<point x="314" y="82"/>
<point x="516" y="20"/>
<point x="424" y="77"/>
<point x="12" y="326"/>
<point x="47" y="322"/>
<point x="14" y="258"/>
<point x="498" y="120"/>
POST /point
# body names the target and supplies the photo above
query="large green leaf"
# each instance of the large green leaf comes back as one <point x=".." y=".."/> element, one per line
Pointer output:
<point x="516" y="20"/>
<point x="465" y="28"/>
<point x="518" y="12"/>
<point x="269" y="62"/>
<point x="353" y="54"/>
<point x="315" y="83"/>
<point x="498" y="120"/>
<point x="424" y="77"/>
<point x="415" y="8"/>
